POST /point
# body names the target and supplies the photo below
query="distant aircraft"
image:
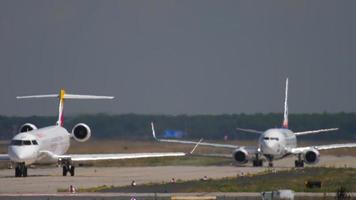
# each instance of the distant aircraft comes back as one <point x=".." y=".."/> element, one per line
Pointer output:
<point x="48" y="145"/>
<point x="273" y="144"/>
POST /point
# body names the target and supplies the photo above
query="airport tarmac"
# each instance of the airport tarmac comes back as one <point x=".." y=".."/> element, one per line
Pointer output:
<point x="164" y="196"/>
<point x="49" y="180"/>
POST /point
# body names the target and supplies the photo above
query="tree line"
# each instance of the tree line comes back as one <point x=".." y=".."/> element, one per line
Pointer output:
<point x="214" y="127"/>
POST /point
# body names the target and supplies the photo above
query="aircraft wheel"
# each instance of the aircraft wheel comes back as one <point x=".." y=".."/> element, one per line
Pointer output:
<point x="24" y="171"/>
<point x="254" y="163"/>
<point x="299" y="163"/>
<point x="65" y="170"/>
<point x="72" y="169"/>
<point x="270" y="164"/>
<point x="17" y="172"/>
<point x="257" y="163"/>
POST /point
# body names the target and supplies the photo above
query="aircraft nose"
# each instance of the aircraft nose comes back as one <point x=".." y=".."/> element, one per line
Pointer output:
<point x="21" y="154"/>
<point x="268" y="147"/>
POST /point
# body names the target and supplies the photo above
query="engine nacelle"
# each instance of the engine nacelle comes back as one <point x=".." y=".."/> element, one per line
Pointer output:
<point x="311" y="156"/>
<point x="27" y="127"/>
<point x="81" y="132"/>
<point x="241" y="155"/>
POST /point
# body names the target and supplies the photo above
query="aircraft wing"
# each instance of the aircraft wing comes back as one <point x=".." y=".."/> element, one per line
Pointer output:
<point x="213" y="155"/>
<point x="118" y="156"/>
<point x="322" y="147"/>
<point x="315" y="131"/>
<point x="4" y="157"/>
<point x="229" y="146"/>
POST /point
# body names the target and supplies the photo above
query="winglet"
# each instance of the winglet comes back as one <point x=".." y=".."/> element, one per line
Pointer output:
<point x="154" y="132"/>
<point x="192" y="151"/>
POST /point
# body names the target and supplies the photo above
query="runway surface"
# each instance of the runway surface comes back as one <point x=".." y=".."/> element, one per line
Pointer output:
<point x="164" y="196"/>
<point x="49" y="180"/>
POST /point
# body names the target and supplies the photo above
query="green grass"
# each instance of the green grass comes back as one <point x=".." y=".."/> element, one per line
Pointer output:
<point x="331" y="178"/>
<point x="93" y="189"/>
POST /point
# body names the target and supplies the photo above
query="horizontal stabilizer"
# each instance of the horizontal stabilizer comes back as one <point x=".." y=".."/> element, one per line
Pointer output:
<point x="249" y="130"/>
<point x="61" y="97"/>
<point x="66" y="96"/>
<point x="38" y="96"/>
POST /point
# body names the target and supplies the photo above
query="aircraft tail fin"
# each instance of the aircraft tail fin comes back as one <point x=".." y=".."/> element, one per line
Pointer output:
<point x="285" y="116"/>
<point x="62" y="96"/>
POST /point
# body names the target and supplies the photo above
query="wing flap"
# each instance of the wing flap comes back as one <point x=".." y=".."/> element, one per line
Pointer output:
<point x="213" y="155"/>
<point x="299" y="150"/>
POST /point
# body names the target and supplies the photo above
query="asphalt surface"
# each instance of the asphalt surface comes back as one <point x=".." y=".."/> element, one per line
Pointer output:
<point x="49" y="180"/>
<point x="163" y="196"/>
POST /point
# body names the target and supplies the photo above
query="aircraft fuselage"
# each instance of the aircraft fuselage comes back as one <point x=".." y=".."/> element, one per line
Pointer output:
<point x="38" y="145"/>
<point x="276" y="143"/>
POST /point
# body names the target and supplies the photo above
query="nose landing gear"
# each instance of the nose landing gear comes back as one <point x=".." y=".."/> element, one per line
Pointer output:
<point x="270" y="160"/>
<point x="21" y="170"/>
<point x="257" y="162"/>
<point x="67" y="167"/>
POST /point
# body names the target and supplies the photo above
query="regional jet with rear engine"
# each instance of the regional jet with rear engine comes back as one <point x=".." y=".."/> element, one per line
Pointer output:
<point x="273" y="144"/>
<point x="49" y="145"/>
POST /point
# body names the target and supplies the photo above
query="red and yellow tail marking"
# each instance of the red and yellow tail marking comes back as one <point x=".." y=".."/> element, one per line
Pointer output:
<point x="61" y="104"/>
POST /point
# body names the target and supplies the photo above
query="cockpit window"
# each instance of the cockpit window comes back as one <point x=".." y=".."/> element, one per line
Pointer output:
<point x="23" y="142"/>
<point x="271" y="138"/>
<point x="16" y="142"/>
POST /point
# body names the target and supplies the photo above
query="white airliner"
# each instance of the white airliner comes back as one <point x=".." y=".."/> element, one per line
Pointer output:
<point x="48" y="145"/>
<point x="273" y="144"/>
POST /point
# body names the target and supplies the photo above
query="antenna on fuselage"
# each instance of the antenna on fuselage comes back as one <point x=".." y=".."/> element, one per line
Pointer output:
<point x="62" y="96"/>
<point x="285" y="116"/>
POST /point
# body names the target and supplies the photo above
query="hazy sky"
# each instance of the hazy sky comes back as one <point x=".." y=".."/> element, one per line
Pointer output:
<point x="174" y="57"/>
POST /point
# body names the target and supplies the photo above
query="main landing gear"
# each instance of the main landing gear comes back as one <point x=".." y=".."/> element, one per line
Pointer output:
<point x="67" y="167"/>
<point x="257" y="162"/>
<point x="21" y="170"/>
<point x="300" y="162"/>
